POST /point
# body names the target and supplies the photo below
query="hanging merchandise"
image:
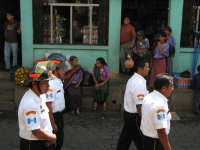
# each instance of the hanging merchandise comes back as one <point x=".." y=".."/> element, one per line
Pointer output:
<point x="59" y="30"/>
<point x="196" y="52"/>
<point x="80" y="11"/>
<point x="45" y="28"/>
<point x="86" y="35"/>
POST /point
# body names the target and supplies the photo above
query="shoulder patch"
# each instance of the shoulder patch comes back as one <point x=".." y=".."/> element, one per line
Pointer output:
<point x="161" y="114"/>
<point x="49" y="95"/>
<point x="31" y="112"/>
<point x="50" y="90"/>
<point x="160" y="110"/>
<point x="140" y="97"/>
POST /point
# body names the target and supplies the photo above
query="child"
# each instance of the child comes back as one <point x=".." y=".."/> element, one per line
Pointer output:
<point x="140" y="45"/>
<point x="161" y="51"/>
<point x="196" y="88"/>
<point x="172" y="44"/>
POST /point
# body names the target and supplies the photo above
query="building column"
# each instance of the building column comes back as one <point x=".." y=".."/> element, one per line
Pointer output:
<point x="114" y="34"/>
<point x="27" y="32"/>
<point x="175" y="22"/>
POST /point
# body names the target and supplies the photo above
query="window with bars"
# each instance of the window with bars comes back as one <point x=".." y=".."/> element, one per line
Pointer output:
<point x="71" y="22"/>
<point x="190" y="24"/>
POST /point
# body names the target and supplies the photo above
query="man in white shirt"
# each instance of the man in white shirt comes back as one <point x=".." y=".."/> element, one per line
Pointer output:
<point x="35" y="129"/>
<point x="55" y="98"/>
<point x="155" y="124"/>
<point x="133" y="99"/>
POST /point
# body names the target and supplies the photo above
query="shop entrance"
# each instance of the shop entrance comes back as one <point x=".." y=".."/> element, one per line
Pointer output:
<point x="149" y="16"/>
<point x="14" y="7"/>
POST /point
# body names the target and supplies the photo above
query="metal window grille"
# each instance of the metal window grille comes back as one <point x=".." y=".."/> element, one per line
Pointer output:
<point x="190" y="22"/>
<point x="44" y="18"/>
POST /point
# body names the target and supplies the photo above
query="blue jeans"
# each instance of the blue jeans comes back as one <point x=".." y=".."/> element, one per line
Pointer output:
<point x="8" y="48"/>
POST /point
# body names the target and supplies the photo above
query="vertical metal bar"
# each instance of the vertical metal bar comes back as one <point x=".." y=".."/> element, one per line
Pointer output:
<point x="90" y="24"/>
<point x="71" y="23"/>
<point x="51" y="15"/>
<point x="197" y="24"/>
<point x="197" y="21"/>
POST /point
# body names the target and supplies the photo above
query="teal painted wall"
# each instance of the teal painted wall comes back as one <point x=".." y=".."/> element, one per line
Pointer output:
<point x="184" y="56"/>
<point x="87" y="58"/>
<point x="87" y="54"/>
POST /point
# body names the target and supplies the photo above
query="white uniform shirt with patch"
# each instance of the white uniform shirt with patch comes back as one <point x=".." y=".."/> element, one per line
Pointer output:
<point x="33" y="114"/>
<point x="56" y="95"/>
<point x="155" y="114"/>
<point x="134" y="93"/>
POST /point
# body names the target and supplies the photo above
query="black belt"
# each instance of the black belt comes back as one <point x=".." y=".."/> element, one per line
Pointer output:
<point x="131" y="114"/>
<point x="32" y="141"/>
<point x="151" y="139"/>
<point x="58" y="113"/>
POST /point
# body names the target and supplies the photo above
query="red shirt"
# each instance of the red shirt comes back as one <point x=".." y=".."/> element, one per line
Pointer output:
<point x="127" y="33"/>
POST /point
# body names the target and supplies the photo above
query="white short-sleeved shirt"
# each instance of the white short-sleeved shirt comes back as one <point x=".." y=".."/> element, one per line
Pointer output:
<point x="155" y="114"/>
<point x="55" y="95"/>
<point x="134" y="93"/>
<point x="33" y="114"/>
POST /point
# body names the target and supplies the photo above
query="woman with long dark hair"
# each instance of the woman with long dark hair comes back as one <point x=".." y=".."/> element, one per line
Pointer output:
<point x="101" y="77"/>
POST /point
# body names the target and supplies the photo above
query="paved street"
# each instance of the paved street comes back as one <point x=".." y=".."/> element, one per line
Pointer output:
<point x="98" y="131"/>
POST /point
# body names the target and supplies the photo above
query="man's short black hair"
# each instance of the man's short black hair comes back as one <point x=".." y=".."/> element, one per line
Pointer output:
<point x="162" y="33"/>
<point x="198" y="68"/>
<point x="10" y="13"/>
<point x="168" y="28"/>
<point x="140" y="63"/>
<point x="162" y="80"/>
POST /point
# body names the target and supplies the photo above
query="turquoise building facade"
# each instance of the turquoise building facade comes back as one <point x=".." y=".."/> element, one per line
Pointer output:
<point x="184" y="56"/>
<point x="88" y="54"/>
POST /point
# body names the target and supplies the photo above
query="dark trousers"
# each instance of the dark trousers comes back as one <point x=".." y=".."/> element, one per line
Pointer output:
<point x="131" y="132"/>
<point x="152" y="144"/>
<point x="197" y="100"/>
<point x="34" y="145"/>
<point x="58" y="117"/>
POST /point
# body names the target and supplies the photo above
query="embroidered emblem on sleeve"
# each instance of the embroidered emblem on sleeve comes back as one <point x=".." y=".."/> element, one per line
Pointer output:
<point x="140" y="97"/>
<point x="29" y="121"/>
<point x="49" y="94"/>
<point x="31" y="112"/>
<point x="161" y="114"/>
<point x="31" y="117"/>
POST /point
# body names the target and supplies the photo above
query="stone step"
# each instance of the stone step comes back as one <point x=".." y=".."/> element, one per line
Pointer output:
<point x="7" y="89"/>
<point x="5" y="98"/>
<point x="7" y="106"/>
<point x="4" y="75"/>
<point x="6" y="84"/>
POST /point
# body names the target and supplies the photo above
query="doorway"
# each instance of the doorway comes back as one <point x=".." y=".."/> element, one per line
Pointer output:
<point x="14" y="7"/>
<point x="148" y="16"/>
